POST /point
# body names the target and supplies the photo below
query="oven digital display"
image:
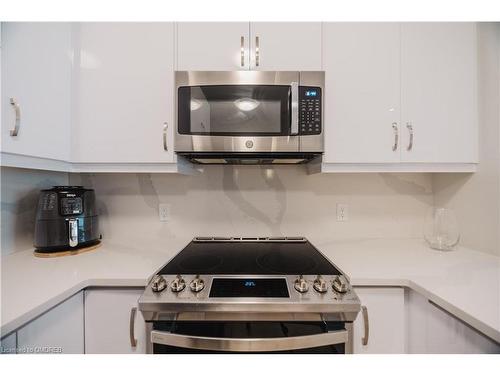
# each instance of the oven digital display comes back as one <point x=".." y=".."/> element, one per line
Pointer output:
<point x="311" y="93"/>
<point x="255" y="287"/>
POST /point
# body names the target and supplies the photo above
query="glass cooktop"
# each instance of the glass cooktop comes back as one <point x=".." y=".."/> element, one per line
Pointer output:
<point x="249" y="257"/>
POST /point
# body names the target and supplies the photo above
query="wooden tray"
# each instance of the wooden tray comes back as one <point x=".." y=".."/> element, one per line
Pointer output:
<point x="64" y="253"/>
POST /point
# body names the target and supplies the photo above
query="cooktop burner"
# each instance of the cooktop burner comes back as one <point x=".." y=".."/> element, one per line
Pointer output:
<point x="263" y="256"/>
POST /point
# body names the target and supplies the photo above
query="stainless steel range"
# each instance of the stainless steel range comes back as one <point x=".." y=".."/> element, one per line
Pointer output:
<point x="249" y="295"/>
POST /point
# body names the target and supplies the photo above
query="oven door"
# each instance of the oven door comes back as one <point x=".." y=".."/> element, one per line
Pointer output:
<point x="237" y="112"/>
<point x="250" y="337"/>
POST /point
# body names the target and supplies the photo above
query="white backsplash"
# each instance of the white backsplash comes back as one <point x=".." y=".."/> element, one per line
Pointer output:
<point x="258" y="201"/>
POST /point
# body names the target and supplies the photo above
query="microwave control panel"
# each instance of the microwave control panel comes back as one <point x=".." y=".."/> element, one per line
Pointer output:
<point x="309" y="110"/>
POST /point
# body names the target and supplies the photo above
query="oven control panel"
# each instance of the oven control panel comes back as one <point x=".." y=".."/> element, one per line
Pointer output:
<point x="296" y="289"/>
<point x="309" y="110"/>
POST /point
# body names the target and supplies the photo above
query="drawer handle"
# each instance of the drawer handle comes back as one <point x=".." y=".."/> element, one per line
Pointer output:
<point x="364" y="339"/>
<point x="17" y="122"/>
<point x="133" y="340"/>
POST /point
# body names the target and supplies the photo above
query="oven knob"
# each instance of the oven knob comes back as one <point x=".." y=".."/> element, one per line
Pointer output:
<point x="320" y="284"/>
<point x="178" y="284"/>
<point x="158" y="284"/>
<point x="197" y="284"/>
<point x="340" y="284"/>
<point x="301" y="285"/>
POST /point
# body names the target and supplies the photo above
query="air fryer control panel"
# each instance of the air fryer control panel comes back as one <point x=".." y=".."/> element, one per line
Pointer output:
<point x="70" y="204"/>
<point x="309" y="110"/>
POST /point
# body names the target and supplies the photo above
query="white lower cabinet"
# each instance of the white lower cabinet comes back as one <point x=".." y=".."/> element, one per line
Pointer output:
<point x="59" y="330"/>
<point x="386" y="321"/>
<point x="431" y="330"/>
<point x="8" y="344"/>
<point x="107" y="321"/>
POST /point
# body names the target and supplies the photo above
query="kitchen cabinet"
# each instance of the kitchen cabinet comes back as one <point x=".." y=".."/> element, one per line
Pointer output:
<point x="400" y="97"/>
<point x="386" y="319"/>
<point x="60" y="330"/>
<point x="36" y="77"/>
<point x="432" y="330"/>
<point x="107" y="321"/>
<point x="249" y="45"/>
<point x="285" y="46"/>
<point x="362" y="110"/>
<point x="123" y="93"/>
<point x="438" y="92"/>
<point x="212" y="45"/>
<point x="8" y="344"/>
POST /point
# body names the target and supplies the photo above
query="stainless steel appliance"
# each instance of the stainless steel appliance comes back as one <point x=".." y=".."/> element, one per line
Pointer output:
<point x="249" y="117"/>
<point x="66" y="218"/>
<point x="249" y="295"/>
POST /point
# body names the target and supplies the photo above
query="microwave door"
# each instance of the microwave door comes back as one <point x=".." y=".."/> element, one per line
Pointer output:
<point x="237" y="110"/>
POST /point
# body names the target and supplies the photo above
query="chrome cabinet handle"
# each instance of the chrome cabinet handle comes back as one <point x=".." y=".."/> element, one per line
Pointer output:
<point x="364" y="339"/>
<point x="73" y="232"/>
<point x="133" y="340"/>
<point x="242" y="51"/>
<point x="17" y="110"/>
<point x="165" y="128"/>
<point x="409" y="126"/>
<point x="257" y="52"/>
<point x="249" y="345"/>
<point x="295" y="108"/>
<point x="396" y="136"/>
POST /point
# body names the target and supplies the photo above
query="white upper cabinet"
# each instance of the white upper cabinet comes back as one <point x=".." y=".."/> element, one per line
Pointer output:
<point x="244" y="46"/>
<point x="285" y="45"/>
<point x="439" y="92"/>
<point x="213" y="46"/>
<point x="123" y="93"/>
<point x="401" y="93"/>
<point x="362" y="92"/>
<point x="36" y="79"/>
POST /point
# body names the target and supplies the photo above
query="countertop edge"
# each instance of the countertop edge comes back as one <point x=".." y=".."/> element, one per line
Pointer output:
<point x="475" y="323"/>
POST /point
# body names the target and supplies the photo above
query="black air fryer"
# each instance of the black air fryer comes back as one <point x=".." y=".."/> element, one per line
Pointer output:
<point x="66" y="219"/>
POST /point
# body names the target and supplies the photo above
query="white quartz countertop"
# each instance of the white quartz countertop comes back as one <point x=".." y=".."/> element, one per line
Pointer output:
<point x="464" y="282"/>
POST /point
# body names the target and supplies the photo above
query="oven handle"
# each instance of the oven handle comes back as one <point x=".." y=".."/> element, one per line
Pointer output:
<point x="249" y="344"/>
<point x="294" y="130"/>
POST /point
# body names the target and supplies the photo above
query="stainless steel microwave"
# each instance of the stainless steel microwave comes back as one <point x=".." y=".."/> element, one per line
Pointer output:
<point x="249" y="117"/>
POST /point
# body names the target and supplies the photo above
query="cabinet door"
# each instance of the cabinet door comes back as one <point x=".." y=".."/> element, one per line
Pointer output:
<point x="123" y="93"/>
<point x="107" y="321"/>
<point x="386" y="317"/>
<point x="8" y="344"/>
<point x="59" y="330"/>
<point x="432" y="330"/>
<point x="438" y="63"/>
<point x="285" y="45"/>
<point x="212" y="46"/>
<point x="36" y="76"/>
<point x="362" y="95"/>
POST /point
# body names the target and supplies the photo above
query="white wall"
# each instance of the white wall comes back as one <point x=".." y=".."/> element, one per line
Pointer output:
<point x="476" y="197"/>
<point x="19" y="197"/>
<point x="255" y="201"/>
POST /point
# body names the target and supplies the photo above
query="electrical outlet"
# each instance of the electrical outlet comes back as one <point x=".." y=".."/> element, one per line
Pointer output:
<point x="164" y="211"/>
<point x="342" y="212"/>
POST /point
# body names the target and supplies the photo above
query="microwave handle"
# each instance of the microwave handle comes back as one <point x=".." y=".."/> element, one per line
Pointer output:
<point x="249" y="344"/>
<point x="294" y="129"/>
